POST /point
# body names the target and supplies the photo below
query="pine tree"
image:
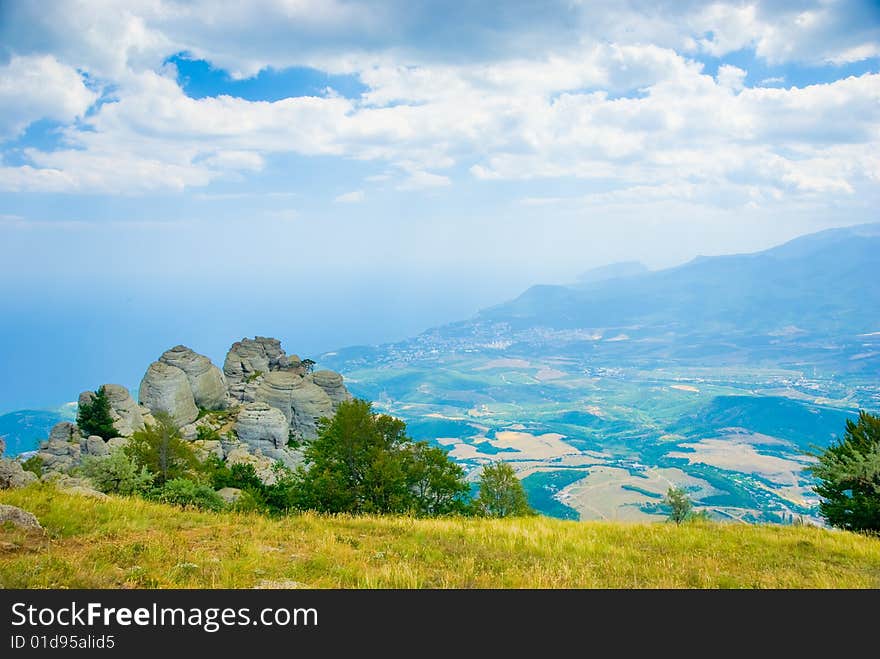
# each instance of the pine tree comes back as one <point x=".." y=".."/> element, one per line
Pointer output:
<point x="93" y="417"/>
<point x="848" y="477"/>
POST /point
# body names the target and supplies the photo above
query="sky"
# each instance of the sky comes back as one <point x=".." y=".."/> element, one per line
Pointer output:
<point x="338" y="173"/>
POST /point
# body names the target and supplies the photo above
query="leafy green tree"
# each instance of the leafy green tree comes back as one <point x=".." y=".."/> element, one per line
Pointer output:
<point x="117" y="473"/>
<point x="162" y="450"/>
<point x="93" y="417"/>
<point x="501" y="492"/>
<point x="308" y="364"/>
<point x="680" y="505"/>
<point x="350" y="466"/>
<point x="363" y="462"/>
<point x="437" y="483"/>
<point x="848" y="477"/>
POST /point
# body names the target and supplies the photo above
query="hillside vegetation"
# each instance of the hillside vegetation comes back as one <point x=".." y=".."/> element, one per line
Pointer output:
<point x="131" y="543"/>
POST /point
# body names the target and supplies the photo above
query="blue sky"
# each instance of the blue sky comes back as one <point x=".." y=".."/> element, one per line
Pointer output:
<point x="390" y="165"/>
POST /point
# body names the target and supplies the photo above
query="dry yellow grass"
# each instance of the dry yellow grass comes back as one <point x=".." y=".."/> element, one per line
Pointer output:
<point x="130" y="543"/>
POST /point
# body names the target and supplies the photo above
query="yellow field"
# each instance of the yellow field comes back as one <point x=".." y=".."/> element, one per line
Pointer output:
<point x="130" y="543"/>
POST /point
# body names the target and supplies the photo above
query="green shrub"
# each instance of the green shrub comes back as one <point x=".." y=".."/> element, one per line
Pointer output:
<point x="117" y="473"/>
<point x="184" y="492"/>
<point x="33" y="464"/>
<point x="204" y="433"/>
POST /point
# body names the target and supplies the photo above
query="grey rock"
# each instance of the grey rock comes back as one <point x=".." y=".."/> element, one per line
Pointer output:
<point x="260" y="425"/>
<point x="332" y="384"/>
<point x="166" y="388"/>
<point x="229" y="494"/>
<point x="300" y="400"/>
<point x="127" y="415"/>
<point x="206" y="380"/>
<point x="64" y="432"/>
<point x="18" y="517"/>
<point x="12" y="475"/>
<point x="248" y="361"/>
<point x="94" y="445"/>
<point x="2" y="446"/>
<point x="62" y="451"/>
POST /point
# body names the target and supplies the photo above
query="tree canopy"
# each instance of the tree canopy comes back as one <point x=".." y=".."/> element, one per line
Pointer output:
<point x="501" y="492"/>
<point x="362" y="462"/>
<point x="848" y="477"/>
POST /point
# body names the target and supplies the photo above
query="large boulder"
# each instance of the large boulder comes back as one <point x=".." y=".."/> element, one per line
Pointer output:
<point x="62" y="451"/>
<point x="125" y="412"/>
<point x="95" y="446"/>
<point x="64" y="432"/>
<point x="18" y="517"/>
<point x="12" y="475"/>
<point x="331" y="383"/>
<point x="248" y="361"/>
<point x="261" y="426"/>
<point x="166" y="388"/>
<point x="206" y="380"/>
<point x="300" y="400"/>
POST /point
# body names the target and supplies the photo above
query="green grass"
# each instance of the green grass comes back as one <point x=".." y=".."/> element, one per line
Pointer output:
<point x="131" y="543"/>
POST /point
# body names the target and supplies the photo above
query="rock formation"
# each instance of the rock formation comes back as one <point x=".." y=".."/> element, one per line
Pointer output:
<point x="166" y="388"/>
<point x="94" y="445"/>
<point x="205" y="380"/>
<point x="62" y="450"/>
<point x="260" y="399"/>
<point x="331" y="383"/>
<point x="248" y="361"/>
<point x="261" y="426"/>
<point x="13" y="476"/>
<point x="300" y="400"/>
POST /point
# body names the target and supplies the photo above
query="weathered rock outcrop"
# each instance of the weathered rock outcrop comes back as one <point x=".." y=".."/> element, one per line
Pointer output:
<point x="94" y="445"/>
<point x="18" y="517"/>
<point x="62" y="450"/>
<point x="248" y="361"/>
<point x="206" y="380"/>
<point x="2" y="446"/>
<point x="64" y="432"/>
<point x="300" y="400"/>
<point x="13" y="476"/>
<point x="262" y="426"/>
<point x="331" y="383"/>
<point x="126" y="413"/>
<point x="166" y="388"/>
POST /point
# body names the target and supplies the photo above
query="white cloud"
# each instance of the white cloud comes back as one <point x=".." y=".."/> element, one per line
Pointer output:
<point x="731" y="77"/>
<point x="40" y="87"/>
<point x="631" y="108"/>
<point x="418" y="180"/>
<point x="353" y="197"/>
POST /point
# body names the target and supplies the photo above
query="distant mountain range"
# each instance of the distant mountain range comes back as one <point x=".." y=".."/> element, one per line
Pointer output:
<point x="821" y="283"/>
<point x="716" y="375"/>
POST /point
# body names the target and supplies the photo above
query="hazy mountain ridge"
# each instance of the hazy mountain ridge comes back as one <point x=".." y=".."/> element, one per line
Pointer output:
<point x="716" y="374"/>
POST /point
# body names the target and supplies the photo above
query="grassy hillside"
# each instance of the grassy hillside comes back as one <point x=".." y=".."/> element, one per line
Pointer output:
<point x="130" y="543"/>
